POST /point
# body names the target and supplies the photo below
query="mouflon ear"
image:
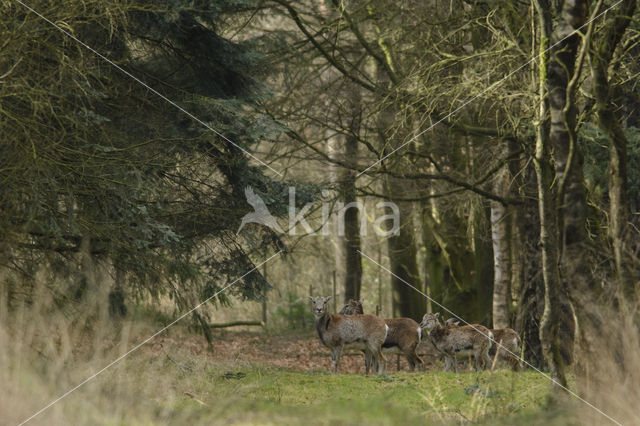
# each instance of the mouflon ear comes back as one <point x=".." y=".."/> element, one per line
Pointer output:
<point x="326" y="299"/>
<point x="437" y="314"/>
<point x="311" y="298"/>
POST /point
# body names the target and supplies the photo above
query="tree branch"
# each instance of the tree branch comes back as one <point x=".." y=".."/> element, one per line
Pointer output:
<point x="337" y="65"/>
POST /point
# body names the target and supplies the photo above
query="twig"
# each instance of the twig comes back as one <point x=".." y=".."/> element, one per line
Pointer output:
<point x="190" y="395"/>
<point x="183" y="369"/>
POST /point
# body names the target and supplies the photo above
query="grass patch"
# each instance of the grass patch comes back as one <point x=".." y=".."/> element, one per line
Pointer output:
<point x="225" y="393"/>
<point x="399" y="398"/>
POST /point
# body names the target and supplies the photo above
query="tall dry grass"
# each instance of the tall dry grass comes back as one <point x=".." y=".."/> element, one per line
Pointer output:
<point x="49" y="346"/>
<point x="608" y="376"/>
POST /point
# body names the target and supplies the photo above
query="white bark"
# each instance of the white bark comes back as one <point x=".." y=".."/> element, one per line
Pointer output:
<point x="501" y="265"/>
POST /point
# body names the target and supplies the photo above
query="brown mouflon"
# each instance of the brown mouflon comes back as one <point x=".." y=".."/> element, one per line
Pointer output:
<point x="403" y="337"/>
<point x="473" y="339"/>
<point x="352" y="307"/>
<point x="507" y="347"/>
<point x="337" y="332"/>
<point x="506" y="339"/>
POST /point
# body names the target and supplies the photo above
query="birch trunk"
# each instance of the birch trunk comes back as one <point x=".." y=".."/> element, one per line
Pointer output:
<point x="549" y="226"/>
<point x="501" y="265"/>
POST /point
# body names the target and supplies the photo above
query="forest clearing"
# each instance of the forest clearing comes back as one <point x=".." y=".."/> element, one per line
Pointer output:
<point x="320" y="212"/>
<point x="258" y="377"/>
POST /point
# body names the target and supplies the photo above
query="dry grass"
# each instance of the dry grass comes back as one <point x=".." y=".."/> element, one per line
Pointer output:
<point x="610" y="379"/>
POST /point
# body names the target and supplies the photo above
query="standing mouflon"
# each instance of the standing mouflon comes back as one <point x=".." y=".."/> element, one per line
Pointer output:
<point x="506" y="344"/>
<point x="403" y="337"/>
<point x="337" y="332"/>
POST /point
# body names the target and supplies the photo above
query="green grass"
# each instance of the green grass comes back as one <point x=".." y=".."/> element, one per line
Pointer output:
<point x="266" y="395"/>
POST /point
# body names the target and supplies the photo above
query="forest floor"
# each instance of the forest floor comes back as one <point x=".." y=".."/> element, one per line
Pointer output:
<point x="259" y="377"/>
<point x="293" y="351"/>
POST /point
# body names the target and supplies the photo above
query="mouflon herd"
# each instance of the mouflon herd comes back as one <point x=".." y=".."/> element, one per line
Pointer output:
<point x="353" y="329"/>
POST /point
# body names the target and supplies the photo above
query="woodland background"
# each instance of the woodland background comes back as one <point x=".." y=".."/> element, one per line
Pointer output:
<point x="517" y="175"/>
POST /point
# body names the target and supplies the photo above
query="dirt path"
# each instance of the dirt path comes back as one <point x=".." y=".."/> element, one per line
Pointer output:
<point x="301" y="352"/>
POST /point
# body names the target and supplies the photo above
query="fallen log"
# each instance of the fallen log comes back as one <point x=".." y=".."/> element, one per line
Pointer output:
<point x="237" y="324"/>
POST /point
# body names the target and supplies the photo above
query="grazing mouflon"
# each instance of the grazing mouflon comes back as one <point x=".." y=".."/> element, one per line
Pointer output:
<point x="339" y="332"/>
<point x="506" y="343"/>
<point x="473" y="339"/>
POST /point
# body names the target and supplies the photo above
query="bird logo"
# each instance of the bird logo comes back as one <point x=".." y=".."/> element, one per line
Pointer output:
<point x="260" y="214"/>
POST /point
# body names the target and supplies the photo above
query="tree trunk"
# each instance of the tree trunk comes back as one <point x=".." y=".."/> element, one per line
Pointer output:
<point x="549" y="226"/>
<point x="435" y="266"/>
<point x="117" y="306"/>
<point x="531" y="293"/>
<point x="501" y="258"/>
<point x="563" y="212"/>
<point x="335" y="151"/>
<point x="553" y="347"/>
<point x="351" y="240"/>
<point x="527" y="269"/>
<point x="550" y="336"/>
<point x="518" y="172"/>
